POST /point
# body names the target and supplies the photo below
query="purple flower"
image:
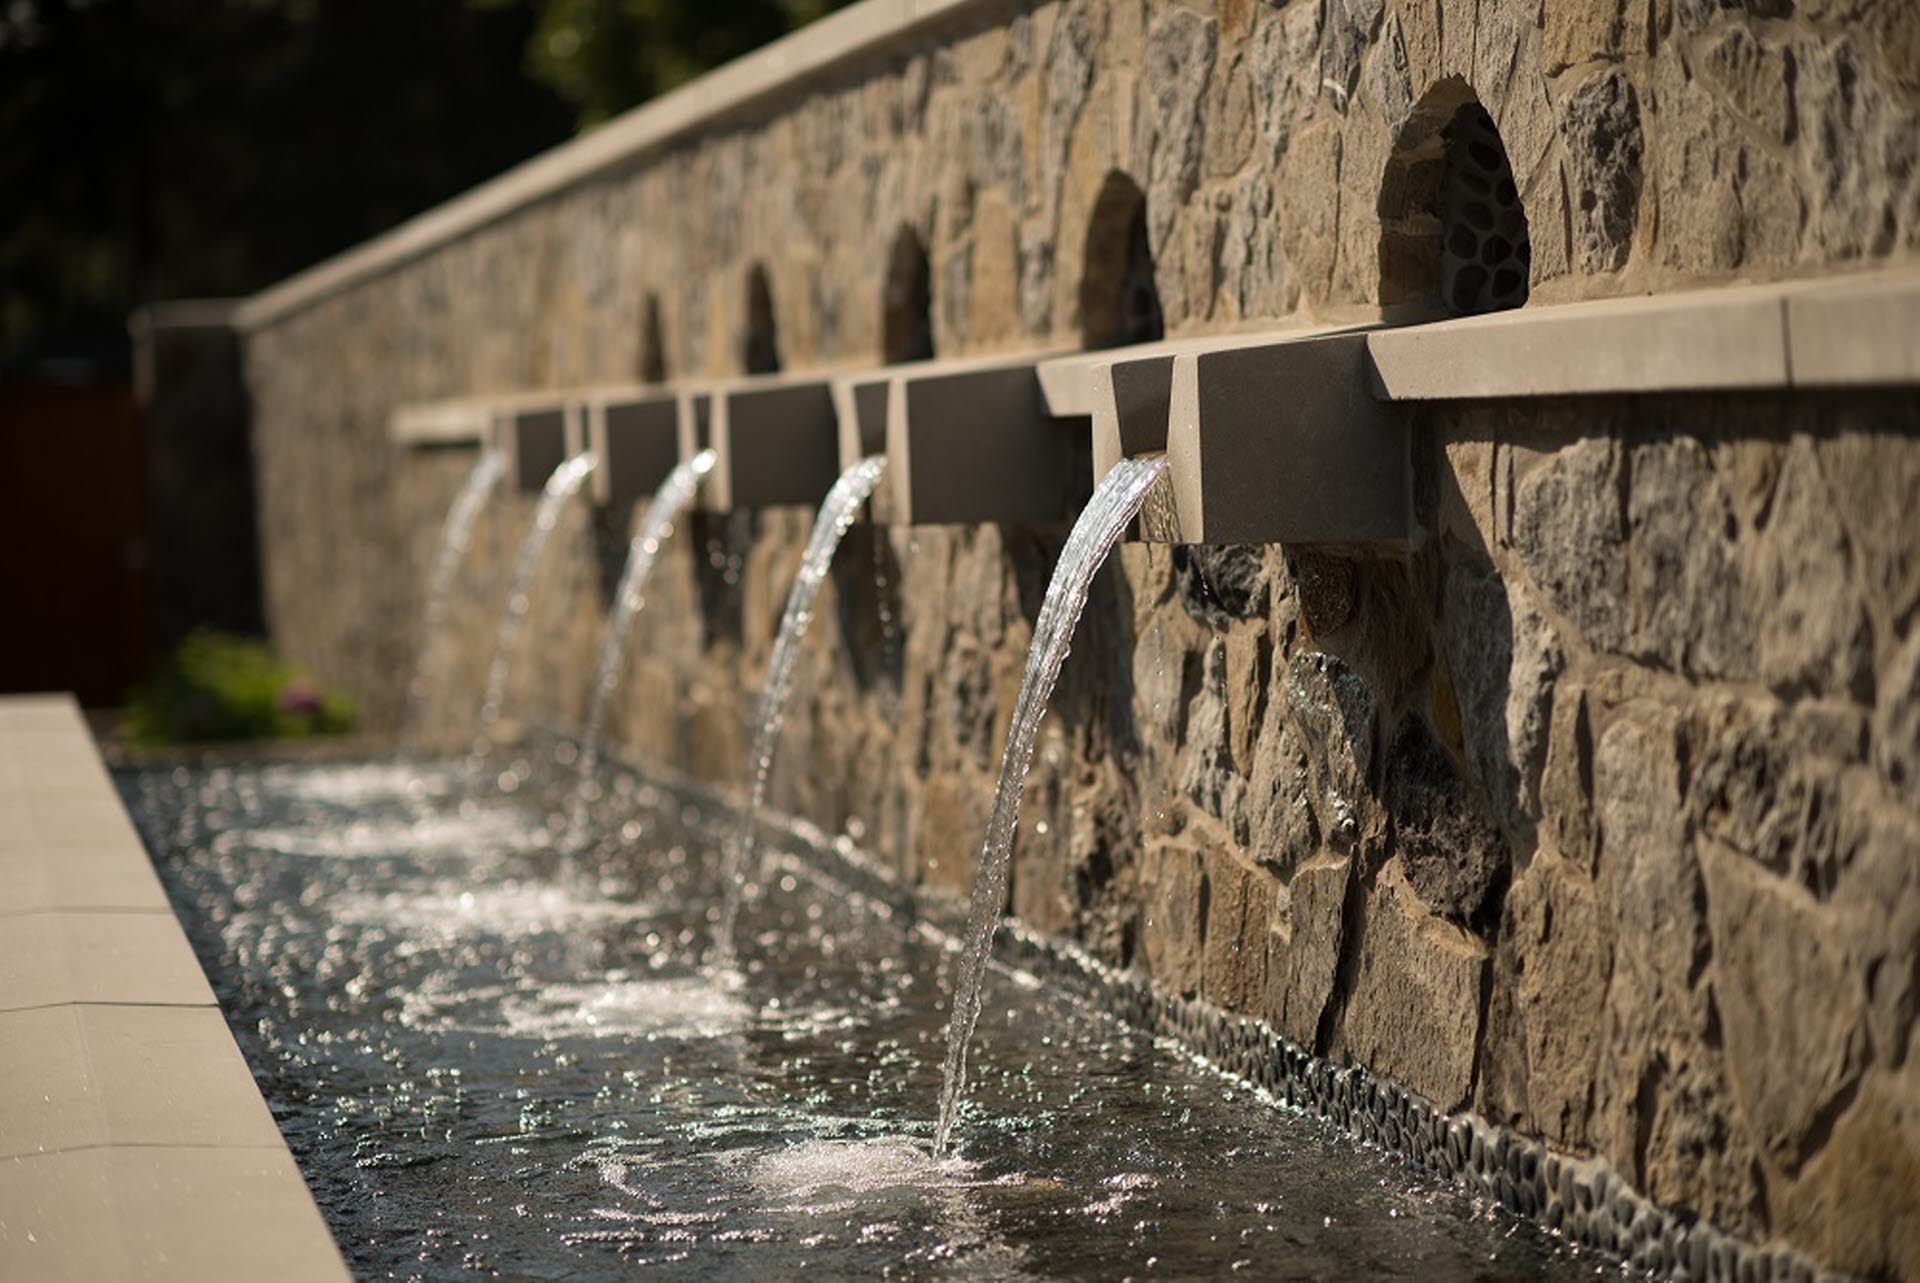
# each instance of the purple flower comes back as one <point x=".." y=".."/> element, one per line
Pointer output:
<point x="300" y="698"/>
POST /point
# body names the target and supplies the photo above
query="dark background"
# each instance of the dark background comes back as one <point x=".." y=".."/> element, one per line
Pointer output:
<point x="166" y="149"/>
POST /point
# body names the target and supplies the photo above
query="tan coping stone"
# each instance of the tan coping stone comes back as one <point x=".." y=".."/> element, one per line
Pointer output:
<point x="75" y="815"/>
<point x="457" y="421"/>
<point x="40" y="879"/>
<point x="1858" y="331"/>
<point x="81" y="1077"/>
<point x="1283" y="443"/>
<point x="133" y="1141"/>
<point x="784" y="66"/>
<point x="43" y="762"/>
<point x="43" y="712"/>
<point x="161" y="1214"/>
<point x="1701" y="340"/>
<point x="94" y="956"/>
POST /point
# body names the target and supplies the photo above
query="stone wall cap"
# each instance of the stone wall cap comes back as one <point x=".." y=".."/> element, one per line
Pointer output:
<point x="136" y="1142"/>
<point x="457" y="421"/>
<point x="1071" y="383"/>
<point x="1856" y="329"/>
<point x="859" y="30"/>
<point x="1698" y="340"/>
<point x="183" y="314"/>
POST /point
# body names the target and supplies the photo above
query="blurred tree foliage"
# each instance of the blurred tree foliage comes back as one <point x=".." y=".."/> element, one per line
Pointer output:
<point x="157" y="149"/>
<point x="603" y="56"/>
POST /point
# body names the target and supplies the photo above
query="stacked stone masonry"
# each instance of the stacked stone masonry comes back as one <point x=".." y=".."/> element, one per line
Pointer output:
<point x="1596" y="813"/>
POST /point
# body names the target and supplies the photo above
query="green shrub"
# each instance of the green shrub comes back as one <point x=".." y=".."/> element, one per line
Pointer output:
<point x="216" y="686"/>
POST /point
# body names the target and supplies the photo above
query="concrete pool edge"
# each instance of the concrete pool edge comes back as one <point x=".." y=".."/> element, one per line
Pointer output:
<point x="133" y="1139"/>
<point x="1582" y="1200"/>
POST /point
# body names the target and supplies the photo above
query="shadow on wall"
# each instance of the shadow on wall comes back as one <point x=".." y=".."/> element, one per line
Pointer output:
<point x="653" y="343"/>
<point x="906" y="318"/>
<point x="1119" y="299"/>
<point x="760" y="347"/>
<point x="867" y="573"/>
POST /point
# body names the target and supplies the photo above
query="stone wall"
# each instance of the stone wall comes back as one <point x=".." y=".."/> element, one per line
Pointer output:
<point x="1597" y="813"/>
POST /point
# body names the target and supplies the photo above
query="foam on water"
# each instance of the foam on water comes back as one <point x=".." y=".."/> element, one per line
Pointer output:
<point x="447" y="911"/>
<point x="839" y="1169"/>
<point x="674" y="1007"/>
<point x="429" y="836"/>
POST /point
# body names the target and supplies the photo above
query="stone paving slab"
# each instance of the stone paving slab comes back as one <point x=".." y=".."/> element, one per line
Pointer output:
<point x="162" y="1213"/>
<point x="67" y="957"/>
<point x="133" y="1141"/>
<point x="82" y="1076"/>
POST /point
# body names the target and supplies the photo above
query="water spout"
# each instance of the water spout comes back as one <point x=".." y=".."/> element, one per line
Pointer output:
<point x="561" y="487"/>
<point x="669" y="502"/>
<point x="455" y="539"/>
<point x="836" y="517"/>
<point x="1117" y="501"/>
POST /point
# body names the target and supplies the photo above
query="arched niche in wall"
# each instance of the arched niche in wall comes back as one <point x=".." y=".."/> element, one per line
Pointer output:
<point x="906" y="317"/>
<point x="1453" y="231"/>
<point x="653" y="343"/>
<point x="760" y="345"/>
<point x="1119" y="299"/>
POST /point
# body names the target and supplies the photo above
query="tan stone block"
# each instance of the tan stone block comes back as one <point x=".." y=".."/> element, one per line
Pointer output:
<point x="1309" y="183"/>
<point x="1238" y="900"/>
<point x="1308" y="925"/>
<point x="1420" y="28"/>
<point x="1550" y="984"/>
<point x="1576" y="31"/>
<point x="1414" y="1011"/>
<point x="1229" y="118"/>
<point x="993" y="314"/>
<point x="1172" y="933"/>
<point x="1791" y="1007"/>
<point x="1856" y="1207"/>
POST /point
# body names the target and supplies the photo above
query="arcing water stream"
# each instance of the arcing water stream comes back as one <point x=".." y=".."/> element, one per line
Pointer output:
<point x="836" y="517"/>
<point x="1115" y="503"/>
<point x="669" y="502"/>
<point x="455" y="538"/>
<point x="560" y="489"/>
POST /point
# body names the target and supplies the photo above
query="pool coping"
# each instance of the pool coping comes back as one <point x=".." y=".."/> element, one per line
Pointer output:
<point x="134" y="1142"/>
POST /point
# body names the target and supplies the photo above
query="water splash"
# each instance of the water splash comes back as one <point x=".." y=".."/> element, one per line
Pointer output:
<point x="669" y="501"/>
<point x="560" y="489"/>
<point x="1119" y="498"/>
<point x="836" y="517"/>
<point x="456" y="538"/>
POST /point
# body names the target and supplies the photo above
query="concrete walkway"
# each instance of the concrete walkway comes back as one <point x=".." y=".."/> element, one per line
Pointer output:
<point x="133" y="1142"/>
